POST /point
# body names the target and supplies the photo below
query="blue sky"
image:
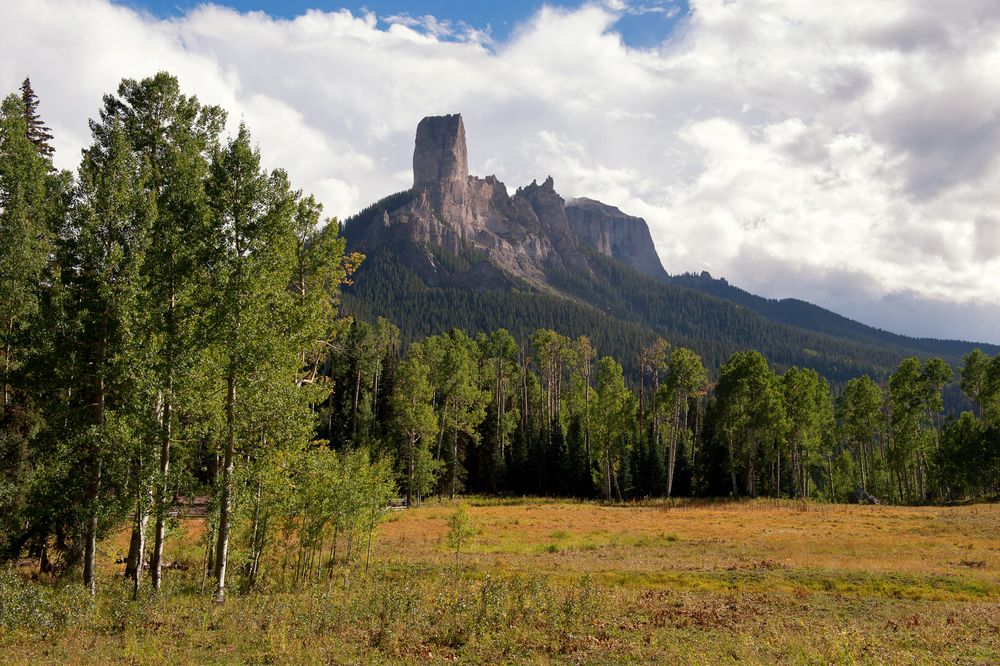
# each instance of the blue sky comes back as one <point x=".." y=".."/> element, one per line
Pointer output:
<point x="644" y="24"/>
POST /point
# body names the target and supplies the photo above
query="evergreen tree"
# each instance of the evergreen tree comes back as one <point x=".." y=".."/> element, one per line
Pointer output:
<point x="27" y="240"/>
<point x="38" y="133"/>
<point x="32" y="209"/>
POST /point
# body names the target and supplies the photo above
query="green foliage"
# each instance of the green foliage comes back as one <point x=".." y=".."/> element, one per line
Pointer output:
<point x="809" y="412"/>
<point x="413" y="408"/>
<point x="610" y="421"/>
<point x="31" y="205"/>
<point x="980" y="379"/>
<point x="685" y="378"/>
<point x="27" y="605"/>
<point x="461" y="400"/>
<point x="751" y="415"/>
<point x="461" y="529"/>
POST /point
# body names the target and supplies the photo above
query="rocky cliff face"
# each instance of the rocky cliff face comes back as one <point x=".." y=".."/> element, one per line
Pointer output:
<point x="440" y="153"/>
<point x="615" y="234"/>
<point x="454" y="229"/>
<point x="457" y="229"/>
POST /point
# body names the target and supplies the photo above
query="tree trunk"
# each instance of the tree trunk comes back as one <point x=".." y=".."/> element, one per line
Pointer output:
<point x="732" y="467"/>
<point x="642" y="387"/>
<point x="607" y="470"/>
<point x="371" y="528"/>
<point x="672" y="459"/>
<point x="222" y="552"/>
<point x="454" y="464"/>
<point x="374" y="414"/>
<point x="921" y="489"/>
<point x="137" y="546"/>
<point x="864" y="480"/>
<point x="778" y="480"/>
<point x="796" y="478"/>
<point x="160" y="502"/>
<point x="8" y="350"/>
<point x="695" y="437"/>
<point x="256" y="541"/>
<point x="90" y="546"/>
<point x="409" y="467"/>
<point x="354" y="402"/>
<point x="94" y="491"/>
<point x="833" y="488"/>
<point x="499" y="404"/>
<point x="586" y="428"/>
<point x="209" y="564"/>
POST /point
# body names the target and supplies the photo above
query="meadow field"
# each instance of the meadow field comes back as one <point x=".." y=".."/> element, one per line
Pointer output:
<point x="543" y="581"/>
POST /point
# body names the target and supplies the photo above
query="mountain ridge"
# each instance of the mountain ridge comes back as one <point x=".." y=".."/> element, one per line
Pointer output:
<point x="454" y="235"/>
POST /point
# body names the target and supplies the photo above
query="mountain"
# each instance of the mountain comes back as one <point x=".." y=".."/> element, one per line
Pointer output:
<point x="457" y="250"/>
<point x="453" y="229"/>
<point x="803" y="314"/>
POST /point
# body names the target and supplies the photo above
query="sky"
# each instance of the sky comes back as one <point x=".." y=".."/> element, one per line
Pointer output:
<point x="643" y="24"/>
<point x="843" y="153"/>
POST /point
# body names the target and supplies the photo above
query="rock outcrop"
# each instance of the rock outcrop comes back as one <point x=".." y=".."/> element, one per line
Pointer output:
<point x="451" y="224"/>
<point x="454" y="229"/>
<point x="615" y="234"/>
<point x="440" y="152"/>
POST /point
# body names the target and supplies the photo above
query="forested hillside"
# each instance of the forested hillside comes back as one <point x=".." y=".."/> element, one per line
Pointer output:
<point x="811" y="317"/>
<point x="621" y="309"/>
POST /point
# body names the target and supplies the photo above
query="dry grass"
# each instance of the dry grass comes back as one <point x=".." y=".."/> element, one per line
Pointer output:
<point x="960" y="545"/>
<point x="559" y="582"/>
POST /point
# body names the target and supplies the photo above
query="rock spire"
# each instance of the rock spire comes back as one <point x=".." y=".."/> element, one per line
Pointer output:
<point x="440" y="155"/>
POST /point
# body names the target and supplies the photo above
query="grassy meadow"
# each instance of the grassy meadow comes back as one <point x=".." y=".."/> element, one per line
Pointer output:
<point x="562" y="582"/>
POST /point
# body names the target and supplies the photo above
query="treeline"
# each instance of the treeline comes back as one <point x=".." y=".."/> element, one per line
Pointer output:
<point x="168" y="316"/>
<point x="486" y="414"/>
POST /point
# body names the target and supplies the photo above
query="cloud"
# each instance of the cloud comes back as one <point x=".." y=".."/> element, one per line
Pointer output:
<point x="832" y="152"/>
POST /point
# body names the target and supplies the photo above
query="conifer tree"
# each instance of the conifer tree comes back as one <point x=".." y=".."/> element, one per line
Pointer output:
<point x="30" y="211"/>
<point x="38" y="133"/>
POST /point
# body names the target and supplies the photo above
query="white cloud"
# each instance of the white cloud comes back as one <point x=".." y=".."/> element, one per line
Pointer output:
<point x="845" y="153"/>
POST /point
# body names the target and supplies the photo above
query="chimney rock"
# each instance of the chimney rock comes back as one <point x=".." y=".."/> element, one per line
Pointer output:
<point x="440" y="154"/>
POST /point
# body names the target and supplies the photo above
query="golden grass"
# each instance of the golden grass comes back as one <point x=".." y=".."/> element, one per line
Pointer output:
<point x="958" y="544"/>
<point x="574" y="582"/>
